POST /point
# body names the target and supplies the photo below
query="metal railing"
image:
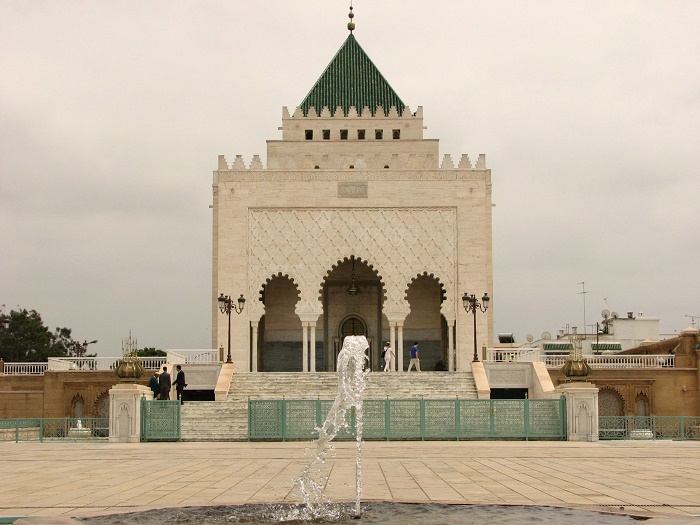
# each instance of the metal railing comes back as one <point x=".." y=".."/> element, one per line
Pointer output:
<point x="649" y="427"/>
<point x="160" y="420"/>
<point x="54" y="429"/>
<point x="390" y="419"/>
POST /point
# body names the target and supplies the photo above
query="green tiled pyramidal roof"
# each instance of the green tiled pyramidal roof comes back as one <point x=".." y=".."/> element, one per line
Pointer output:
<point x="351" y="79"/>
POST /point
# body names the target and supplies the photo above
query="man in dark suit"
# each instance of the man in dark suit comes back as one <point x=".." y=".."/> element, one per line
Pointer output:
<point x="164" y="384"/>
<point x="179" y="383"/>
<point x="153" y="385"/>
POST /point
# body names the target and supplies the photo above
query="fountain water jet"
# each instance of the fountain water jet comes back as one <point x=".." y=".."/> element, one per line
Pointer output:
<point x="351" y="384"/>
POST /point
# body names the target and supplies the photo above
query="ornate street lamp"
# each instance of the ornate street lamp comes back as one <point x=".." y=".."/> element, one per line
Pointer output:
<point x="472" y="304"/>
<point x="226" y="305"/>
<point x="81" y="348"/>
<point x="353" y="288"/>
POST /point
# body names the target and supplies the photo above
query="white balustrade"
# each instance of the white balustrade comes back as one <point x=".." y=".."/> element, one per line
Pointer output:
<point x="153" y="363"/>
<point x="512" y="355"/>
<point x="615" y="361"/>
<point x="631" y="361"/>
<point x="206" y="355"/>
<point x="83" y="363"/>
<point x="499" y="355"/>
<point x="554" y="360"/>
<point x="99" y="363"/>
<point x="24" y="368"/>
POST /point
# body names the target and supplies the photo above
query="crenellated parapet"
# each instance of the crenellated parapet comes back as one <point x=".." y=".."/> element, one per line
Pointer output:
<point x="363" y="124"/>
<point x="353" y="162"/>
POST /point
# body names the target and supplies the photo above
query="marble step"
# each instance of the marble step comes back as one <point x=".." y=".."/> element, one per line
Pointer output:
<point x="214" y="421"/>
<point x="379" y="385"/>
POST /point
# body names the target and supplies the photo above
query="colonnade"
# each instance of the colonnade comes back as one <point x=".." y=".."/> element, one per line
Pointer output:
<point x="395" y="339"/>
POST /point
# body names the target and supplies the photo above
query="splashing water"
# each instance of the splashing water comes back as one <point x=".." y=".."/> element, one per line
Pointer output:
<point x="351" y="384"/>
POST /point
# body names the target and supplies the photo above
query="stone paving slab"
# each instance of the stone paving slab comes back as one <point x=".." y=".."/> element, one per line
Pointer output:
<point x="650" y="478"/>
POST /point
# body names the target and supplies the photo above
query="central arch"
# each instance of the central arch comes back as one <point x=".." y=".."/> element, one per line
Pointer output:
<point x="352" y="294"/>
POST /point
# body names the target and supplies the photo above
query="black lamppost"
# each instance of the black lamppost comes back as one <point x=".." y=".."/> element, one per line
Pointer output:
<point x="472" y="304"/>
<point x="226" y="305"/>
<point x="81" y="348"/>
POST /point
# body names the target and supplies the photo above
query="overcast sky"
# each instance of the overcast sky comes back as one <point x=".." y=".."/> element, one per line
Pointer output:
<point x="112" y="115"/>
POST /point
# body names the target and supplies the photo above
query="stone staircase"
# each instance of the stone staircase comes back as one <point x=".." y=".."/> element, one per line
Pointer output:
<point x="228" y="420"/>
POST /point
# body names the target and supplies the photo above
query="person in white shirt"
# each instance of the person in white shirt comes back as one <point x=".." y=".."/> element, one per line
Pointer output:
<point x="388" y="357"/>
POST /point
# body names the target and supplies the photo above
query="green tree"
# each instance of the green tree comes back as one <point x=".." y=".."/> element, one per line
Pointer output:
<point x="150" y="351"/>
<point x="25" y="338"/>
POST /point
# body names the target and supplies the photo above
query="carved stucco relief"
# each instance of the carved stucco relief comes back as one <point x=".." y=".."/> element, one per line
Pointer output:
<point x="348" y="175"/>
<point x="508" y="378"/>
<point x="399" y="243"/>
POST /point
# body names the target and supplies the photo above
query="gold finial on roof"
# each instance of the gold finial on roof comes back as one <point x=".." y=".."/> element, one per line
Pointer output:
<point x="351" y="15"/>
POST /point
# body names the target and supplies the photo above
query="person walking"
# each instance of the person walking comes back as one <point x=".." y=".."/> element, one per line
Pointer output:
<point x="388" y="357"/>
<point x="179" y="383"/>
<point x="164" y="384"/>
<point x="153" y="385"/>
<point x="414" y="357"/>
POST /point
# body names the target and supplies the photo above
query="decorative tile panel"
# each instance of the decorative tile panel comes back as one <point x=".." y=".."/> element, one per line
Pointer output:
<point x="399" y="243"/>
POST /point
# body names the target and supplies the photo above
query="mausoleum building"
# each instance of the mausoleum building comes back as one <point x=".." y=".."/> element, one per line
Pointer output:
<point x="354" y="225"/>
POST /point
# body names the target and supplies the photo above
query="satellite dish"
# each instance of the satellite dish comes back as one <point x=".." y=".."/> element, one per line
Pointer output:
<point x="605" y="313"/>
<point x="529" y="338"/>
<point x="546" y="336"/>
<point x="615" y="315"/>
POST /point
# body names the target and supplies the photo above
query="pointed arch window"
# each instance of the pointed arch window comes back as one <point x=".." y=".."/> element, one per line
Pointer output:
<point x="353" y="326"/>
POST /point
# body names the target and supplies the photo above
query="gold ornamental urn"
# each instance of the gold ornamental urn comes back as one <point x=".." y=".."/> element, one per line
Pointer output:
<point x="575" y="367"/>
<point x="129" y="368"/>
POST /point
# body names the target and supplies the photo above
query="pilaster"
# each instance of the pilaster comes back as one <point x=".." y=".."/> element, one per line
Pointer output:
<point x="581" y="410"/>
<point x="125" y="412"/>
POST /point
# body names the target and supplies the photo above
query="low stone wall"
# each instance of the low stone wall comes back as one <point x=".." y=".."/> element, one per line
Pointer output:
<point x="670" y="391"/>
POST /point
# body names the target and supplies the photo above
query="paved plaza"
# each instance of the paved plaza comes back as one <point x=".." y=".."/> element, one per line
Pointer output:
<point x="649" y="478"/>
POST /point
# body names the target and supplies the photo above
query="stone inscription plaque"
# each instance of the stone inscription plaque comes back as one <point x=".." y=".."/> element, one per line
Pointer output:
<point x="352" y="189"/>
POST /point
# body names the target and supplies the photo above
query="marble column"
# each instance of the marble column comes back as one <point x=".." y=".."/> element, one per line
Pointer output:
<point x="392" y="342"/>
<point x="399" y="347"/>
<point x="254" y="362"/>
<point x="312" y="343"/>
<point x="450" y="345"/>
<point x="305" y="347"/>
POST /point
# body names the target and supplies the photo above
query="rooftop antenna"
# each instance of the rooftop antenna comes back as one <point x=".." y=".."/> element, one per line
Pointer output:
<point x="584" y="292"/>
<point x="351" y="15"/>
<point x="692" y="319"/>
